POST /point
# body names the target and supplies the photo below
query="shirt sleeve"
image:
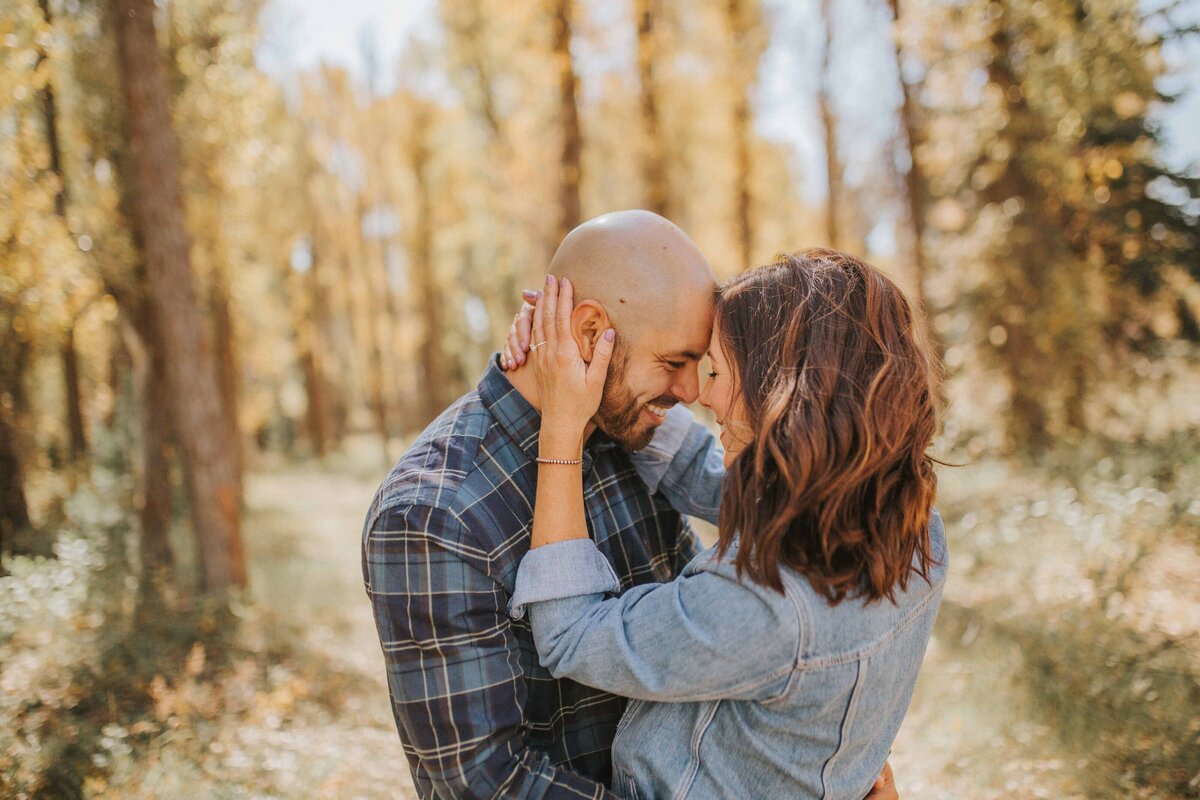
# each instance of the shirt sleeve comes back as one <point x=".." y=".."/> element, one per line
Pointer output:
<point x="704" y="636"/>
<point x="453" y="668"/>
<point x="684" y="462"/>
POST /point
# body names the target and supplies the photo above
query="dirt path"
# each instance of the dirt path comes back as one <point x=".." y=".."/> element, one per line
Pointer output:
<point x="302" y="538"/>
<point x="303" y="545"/>
<point x="973" y="732"/>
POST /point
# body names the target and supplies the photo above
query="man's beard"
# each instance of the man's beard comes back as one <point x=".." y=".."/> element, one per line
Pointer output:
<point x="620" y="413"/>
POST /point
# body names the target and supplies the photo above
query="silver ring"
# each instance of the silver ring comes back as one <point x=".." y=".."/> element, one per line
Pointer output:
<point x="536" y="346"/>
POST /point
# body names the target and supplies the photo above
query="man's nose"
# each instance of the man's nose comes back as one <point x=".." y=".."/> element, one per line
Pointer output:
<point x="687" y="388"/>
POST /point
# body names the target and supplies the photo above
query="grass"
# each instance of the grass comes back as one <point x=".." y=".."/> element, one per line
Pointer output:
<point x="1066" y="659"/>
<point x="278" y="692"/>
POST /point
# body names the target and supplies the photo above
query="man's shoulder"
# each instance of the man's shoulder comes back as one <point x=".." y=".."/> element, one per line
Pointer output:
<point x="433" y="468"/>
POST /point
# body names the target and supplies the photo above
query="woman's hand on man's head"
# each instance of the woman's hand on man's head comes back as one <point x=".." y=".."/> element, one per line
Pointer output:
<point x="516" y="343"/>
<point x="569" y="388"/>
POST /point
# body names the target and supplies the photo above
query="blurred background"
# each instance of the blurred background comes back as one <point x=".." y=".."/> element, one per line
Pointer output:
<point x="248" y="249"/>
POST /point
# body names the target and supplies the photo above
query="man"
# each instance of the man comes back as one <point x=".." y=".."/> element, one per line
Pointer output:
<point x="478" y="716"/>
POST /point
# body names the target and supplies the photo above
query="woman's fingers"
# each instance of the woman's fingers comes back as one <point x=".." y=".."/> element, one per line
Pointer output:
<point x="522" y="322"/>
<point x="512" y="353"/>
<point x="549" y="310"/>
<point x="536" y="325"/>
<point x="566" y="304"/>
<point x="601" y="356"/>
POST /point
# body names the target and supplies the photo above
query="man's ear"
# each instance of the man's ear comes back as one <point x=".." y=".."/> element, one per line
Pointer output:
<point x="588" y="321"/>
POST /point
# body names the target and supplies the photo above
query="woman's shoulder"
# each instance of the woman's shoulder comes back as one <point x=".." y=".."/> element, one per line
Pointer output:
<point x="858" y="627"/>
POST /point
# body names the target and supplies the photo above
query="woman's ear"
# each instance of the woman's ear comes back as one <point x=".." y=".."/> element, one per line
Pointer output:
<point x="588" y="321"/>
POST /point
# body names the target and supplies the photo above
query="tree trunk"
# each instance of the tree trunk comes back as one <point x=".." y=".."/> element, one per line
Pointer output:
<point x="745" y="61"/>
<point x="228" y="377"/>
<point x="14" y="510"/>
<point x="70" y="362"/>
<point x="833" y="163"/>
<point x="311" y="312"/>
<point x="1021" y="269"/>
<point x="433" y="360"/>
<point x="654" y="164"/>
<point x="50" y="119"/>
<point x="316" y="415"/>
<point x="378" y="399"/>
<point x="308" y="315"/>
<point x="313" y="353"/>
<point x="377" y="251"/>
<point x="17" y="536"/>
<point x="570" y="161"/>
<point x="74" y="398"/>
<point x="914" y="182"/>
<point x="742" y="216"/>
<point x="209" y="455"/>
<point x="153" y="400"/>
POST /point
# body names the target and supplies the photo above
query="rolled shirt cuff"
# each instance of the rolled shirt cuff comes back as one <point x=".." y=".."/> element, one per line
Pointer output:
<point x="563" y="569"/>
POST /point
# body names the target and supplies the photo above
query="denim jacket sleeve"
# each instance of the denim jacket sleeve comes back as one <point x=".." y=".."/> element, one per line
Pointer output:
<point x="706" y="635"/>
<point x="684" y="461"/>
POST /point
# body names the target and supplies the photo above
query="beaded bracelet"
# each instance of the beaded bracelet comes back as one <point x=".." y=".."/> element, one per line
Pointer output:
<point x="567" y="461"/>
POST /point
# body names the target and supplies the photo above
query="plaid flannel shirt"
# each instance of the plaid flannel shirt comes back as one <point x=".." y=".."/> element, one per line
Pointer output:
<point x="477" y="714"/>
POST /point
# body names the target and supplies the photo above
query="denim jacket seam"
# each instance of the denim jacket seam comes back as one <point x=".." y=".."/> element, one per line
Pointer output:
<point x="847" y="723"/>
<point x="694" y="750"/>
<point x="873" y="647"/>
<point x="800" y="607"/>
<point x="765" y="680"/>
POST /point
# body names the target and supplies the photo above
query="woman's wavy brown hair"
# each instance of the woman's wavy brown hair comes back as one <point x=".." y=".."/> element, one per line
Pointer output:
<point x="839" y="390"/>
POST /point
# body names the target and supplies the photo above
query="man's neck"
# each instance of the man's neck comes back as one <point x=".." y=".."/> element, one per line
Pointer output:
<point x="525" y="382"/>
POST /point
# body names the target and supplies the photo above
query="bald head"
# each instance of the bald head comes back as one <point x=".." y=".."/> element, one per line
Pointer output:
<point x="642" y="268"/>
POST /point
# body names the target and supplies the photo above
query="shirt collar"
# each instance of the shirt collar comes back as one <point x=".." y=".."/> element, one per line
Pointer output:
<point x="521" y="421"/>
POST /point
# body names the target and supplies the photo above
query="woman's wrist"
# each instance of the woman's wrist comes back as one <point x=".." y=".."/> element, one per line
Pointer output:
<point x="560" y="441"/>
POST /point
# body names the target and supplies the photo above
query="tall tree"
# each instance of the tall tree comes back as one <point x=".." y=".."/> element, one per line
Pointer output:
<point x="654" y="160"/>
<point x="309" y="308"/>
<point x="220" y="311"/>
<point x="434" y="373"/>
<point x="121" y="264"/>
<point x="14" y="509"/>
<point x="152" y="397"/>
<point x="915" y="192"/>
<point x="208" y="452"/>
<point x="571" y="154"/>
<point x="829" y="124"/>
<point x="68" y="358"/>
<point x="743" y="20"/>
<point x="1086" y="237"/>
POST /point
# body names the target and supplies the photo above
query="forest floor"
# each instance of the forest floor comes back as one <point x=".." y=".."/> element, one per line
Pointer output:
<point x="1064" y="663"/>
<point x="331" y="734"/>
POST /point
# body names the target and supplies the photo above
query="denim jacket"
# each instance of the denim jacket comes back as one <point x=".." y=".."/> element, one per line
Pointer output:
<point x="739" y="691"/>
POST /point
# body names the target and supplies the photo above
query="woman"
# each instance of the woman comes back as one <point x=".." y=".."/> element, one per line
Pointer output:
<point x="782" y="661"/>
